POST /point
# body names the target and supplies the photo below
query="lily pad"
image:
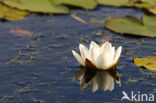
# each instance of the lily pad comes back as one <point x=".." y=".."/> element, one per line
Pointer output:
<point x="147" y="62"/>
<point x="131" y="25"/>
<point x="46" y="6"/>
<point x="87" y="4"/>
<point x="149" y="19"/>
<point x="116" y="2"/>
<point x="152" y="10"/>
<point x="11" y="13"/>
<point x="147" y="4"/>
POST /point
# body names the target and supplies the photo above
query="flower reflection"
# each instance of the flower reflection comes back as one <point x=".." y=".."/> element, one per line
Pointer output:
<point x="96" y="78"/>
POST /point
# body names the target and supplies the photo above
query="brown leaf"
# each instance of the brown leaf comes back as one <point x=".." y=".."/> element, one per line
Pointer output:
<point x="148" y="62"/>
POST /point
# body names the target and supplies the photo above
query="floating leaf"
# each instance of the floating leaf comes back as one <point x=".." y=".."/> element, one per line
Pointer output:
<point x="136" y="3"/>
<point x="87" y="4"/>
<point x="116" y="2"/>
<point x="11" y="13"/>
<point x="131" y="25"/>
<point x="152" y="10"/>
<point x="147" y="4"/>
<point x="147" y="62"/>
<point x="47" y="6"/>
<point x="149" y="20"/>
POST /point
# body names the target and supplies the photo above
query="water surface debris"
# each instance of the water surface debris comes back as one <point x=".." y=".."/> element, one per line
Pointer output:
<point x="78" y="18"/>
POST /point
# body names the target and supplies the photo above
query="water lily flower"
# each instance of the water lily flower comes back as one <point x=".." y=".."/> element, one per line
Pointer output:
<point x="100" y="57"/>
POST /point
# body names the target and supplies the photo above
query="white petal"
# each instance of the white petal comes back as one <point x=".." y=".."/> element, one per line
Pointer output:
<point x="117" y="54"/>
<point x="78" y="58"/>
<point x="104" y="45"/>
<point x="108" y="47"/>
<point x="108" y="55"/>
<point x="113" y="52"/>
<point x="91" y="53"/>
<point x="94" y="44"/>
<point x="84" y="51"/>
<point x="96" y="53"/>
<point x="99" y="61"/>
<point x="108" y="61"/>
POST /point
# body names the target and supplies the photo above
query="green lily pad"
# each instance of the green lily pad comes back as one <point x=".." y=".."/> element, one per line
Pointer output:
<point x="137" y="3"/>
<point x="152" y="10"/>
<point x="131" y="25"/>
<point x="149" y="19"/>
<point x="47" y="6"/>
<point x="147" y="62"/>
<point x="87" y="4"/>
<point x="116" y="2"/>
<point x="146" y="4"/>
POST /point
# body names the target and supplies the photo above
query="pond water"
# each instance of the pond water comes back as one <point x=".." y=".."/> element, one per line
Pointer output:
<point x="47" y="78"/>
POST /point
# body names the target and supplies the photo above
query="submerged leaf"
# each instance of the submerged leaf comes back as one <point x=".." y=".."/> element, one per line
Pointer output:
<point x="131" y="25"/>
<point x="46" y="6"/>
<point x="21" y="33"/>
<point x="147" y="62"/>
<point x="11" y="13"/>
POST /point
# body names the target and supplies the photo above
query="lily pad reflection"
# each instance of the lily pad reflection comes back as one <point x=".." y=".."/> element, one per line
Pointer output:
<point x="103" y="79"/>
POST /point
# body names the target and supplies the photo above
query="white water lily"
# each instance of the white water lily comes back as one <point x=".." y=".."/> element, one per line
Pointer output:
<point x="102" y="57"/>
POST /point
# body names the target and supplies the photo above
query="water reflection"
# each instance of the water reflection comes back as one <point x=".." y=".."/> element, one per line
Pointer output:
<point x="96" y="78"/>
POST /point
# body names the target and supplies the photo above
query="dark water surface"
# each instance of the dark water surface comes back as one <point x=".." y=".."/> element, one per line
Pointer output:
<point x="47" y="78"/>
